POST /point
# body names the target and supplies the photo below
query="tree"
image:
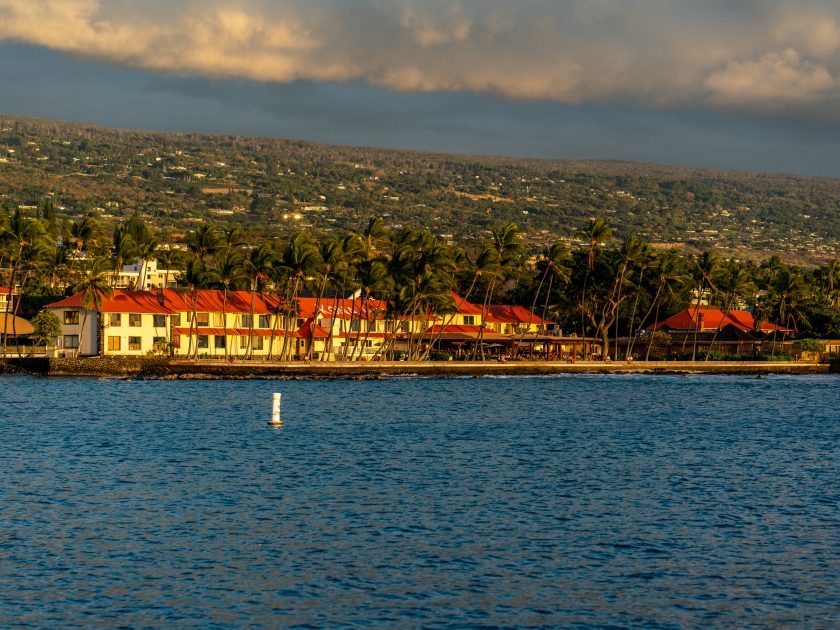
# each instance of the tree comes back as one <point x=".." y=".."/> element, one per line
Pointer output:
<point x="257" y="267"/>
<point x="205" y="241"/>
<point x="47" y="329"/>
<point x="229" y="276"/>
<point x="147" y="251"/>
<point x="737" y="282"/>
<point x="554" y="264"/>
<point x="123" y="250"/>
<point x="94" y="286"/>
<point x="194" y="278"/>
<point x="707" y="270"/>
<point x="597" y="233"/>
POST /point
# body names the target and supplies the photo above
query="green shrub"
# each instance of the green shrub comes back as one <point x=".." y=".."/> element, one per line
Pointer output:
<point x="440" y="356"/>
<point x="812" y="345"/>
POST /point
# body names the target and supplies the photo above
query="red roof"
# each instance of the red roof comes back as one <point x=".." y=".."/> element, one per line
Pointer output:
<point x="711" y="319"/>
<point x="121" y="302"/>
<point x="509" y="314"/>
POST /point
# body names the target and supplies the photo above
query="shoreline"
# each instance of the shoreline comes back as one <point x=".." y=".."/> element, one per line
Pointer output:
<point x="166" y="369"/>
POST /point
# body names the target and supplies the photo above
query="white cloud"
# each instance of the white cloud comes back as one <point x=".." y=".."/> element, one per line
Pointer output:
<point x="768" y="56"/>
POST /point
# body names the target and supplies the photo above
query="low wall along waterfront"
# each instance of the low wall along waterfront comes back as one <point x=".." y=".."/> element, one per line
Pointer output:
<point x="166" y="368"/>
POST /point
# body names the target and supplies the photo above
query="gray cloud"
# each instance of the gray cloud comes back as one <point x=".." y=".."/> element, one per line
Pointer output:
<point x="771" y="57"/>
<point x="44" y="83"/>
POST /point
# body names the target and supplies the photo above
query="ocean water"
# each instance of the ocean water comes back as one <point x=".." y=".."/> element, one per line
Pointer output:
<point x="575" y="501"/>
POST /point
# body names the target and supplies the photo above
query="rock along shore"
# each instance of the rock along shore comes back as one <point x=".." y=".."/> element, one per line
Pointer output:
<point x="157" y="368"/>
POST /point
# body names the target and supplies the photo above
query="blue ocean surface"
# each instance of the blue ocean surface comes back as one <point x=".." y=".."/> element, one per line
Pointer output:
<point x="575" y="501"/>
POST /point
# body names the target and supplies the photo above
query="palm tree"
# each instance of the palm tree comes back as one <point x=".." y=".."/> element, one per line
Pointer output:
<point x="205" y="241"/>
<point x="230" y="276"/>
<point x="708" y="268"/>
<point x="299" y="259"/>
<point x="332" y="259"/>
<point x="506" y="242"/>
<point x="19" y="234"/>
<point x="737" y="283"/>
<point x="89" y="230"/>
<point x="645" y="259"/>
<point x="789" y="292"/>
<point x="123" y="249"/>
<point x="373" y="278"/>
<point x="94" y="286"/>
<point x="194" y="278"/>
<point x="257" y="267"/>
<point x="598" y="232"/>
<point x="171" y="259"/>
<point x="147" y="251"/>
<point x="554" y="263"/>
<point x="669" y="278"/>
<point x="632" y="250"/>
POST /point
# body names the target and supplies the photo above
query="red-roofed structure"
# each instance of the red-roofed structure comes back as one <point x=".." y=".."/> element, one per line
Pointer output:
<point x="704" y="318"/>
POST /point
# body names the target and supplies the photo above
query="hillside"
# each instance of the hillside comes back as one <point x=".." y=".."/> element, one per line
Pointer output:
<point x="273" y="187"/>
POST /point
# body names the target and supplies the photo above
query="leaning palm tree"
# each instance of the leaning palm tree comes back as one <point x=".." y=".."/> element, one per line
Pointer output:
<point x="94" y="286"/>
<point x="373" y="279"/>
<point x="299" y="259"/>
<point x="670" y="278"/>
<point x="645" y="259"/>
<point x="332" y="261"/>
<point x="708" y="268"/>
<point x="597" y="233"/>
<point x="554" y="263"/>
<point x="508" y="246"/>
<point x="736" y="283"/>
<point x="632" y="250"/>
<point x="257" y="267"/>
<point x="230" y="276"/>
<point x="147" y="251"/>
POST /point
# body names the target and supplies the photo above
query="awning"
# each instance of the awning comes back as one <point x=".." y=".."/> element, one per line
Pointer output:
<point x="12" y="325"/>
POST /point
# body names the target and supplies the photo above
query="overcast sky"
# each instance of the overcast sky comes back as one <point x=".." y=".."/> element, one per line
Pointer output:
<point x="751" y="85"/>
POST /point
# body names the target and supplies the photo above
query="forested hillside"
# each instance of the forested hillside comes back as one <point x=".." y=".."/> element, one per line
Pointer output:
<point x="273" y="187"/>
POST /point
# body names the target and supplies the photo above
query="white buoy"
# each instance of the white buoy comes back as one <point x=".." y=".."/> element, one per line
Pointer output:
<point x="275" y="410"/>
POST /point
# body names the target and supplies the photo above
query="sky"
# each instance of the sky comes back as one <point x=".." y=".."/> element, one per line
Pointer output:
<point x="735" y="84"/>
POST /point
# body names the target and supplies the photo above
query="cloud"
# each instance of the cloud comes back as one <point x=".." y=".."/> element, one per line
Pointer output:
<point x="768" y="56"/>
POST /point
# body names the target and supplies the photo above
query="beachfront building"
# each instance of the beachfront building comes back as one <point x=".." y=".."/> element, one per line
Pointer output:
<point x="730" y="332"/>
<point x="238" y="324"/>
<point x="131" y="323"/>
<point x="5" y="302"/>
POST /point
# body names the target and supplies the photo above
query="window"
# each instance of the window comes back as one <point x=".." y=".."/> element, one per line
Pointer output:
<point x="243" y="341"/>
<point x="218" y="320"/>
<point x="405" y="326"/>
<point x="202" y="319"/>
<point x="355" y="325"/>
<point x="135" y="320"/>
<point x="134" y="343"/>
<point x="246" y="321"/>
<point x="258" y="343"/>
<point x="176" y="341"/>
<point x="71" y="341"/>
<point x="265" y="321"/>
<point x="300" y="322"/>
<point x="160" y="321"/>
<point x="469" y="320"/>
<point x="71" y="317"/>
<point x="176" y="319"/>
<point x="158" y="341"/>
<point x="220" y="342"/>
<point x="115" y="320"/>
<point x="203" y="341"/>
<point x="113" y="344"/>
<point x="389" y="326"/>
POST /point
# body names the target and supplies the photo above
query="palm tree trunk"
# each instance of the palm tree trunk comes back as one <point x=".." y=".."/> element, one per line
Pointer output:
<point x="633" y="314"/>
<point x="224" y="320"/>
<point x="250" y="352"/>
<point x="81" y="334"/>
<point x="485" y="309"/>
<point x="717" y="329"/>
<point x="583" y="313"/>
<point x="696" y="310"/>
<point x="653" y="332"/>
<point x="315" y="317"/>
<point x="531" y="318"/>
<point x="8" y="312"/>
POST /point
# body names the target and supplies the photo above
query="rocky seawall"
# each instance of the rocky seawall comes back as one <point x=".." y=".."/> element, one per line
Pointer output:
<point x="144" y="367"/>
